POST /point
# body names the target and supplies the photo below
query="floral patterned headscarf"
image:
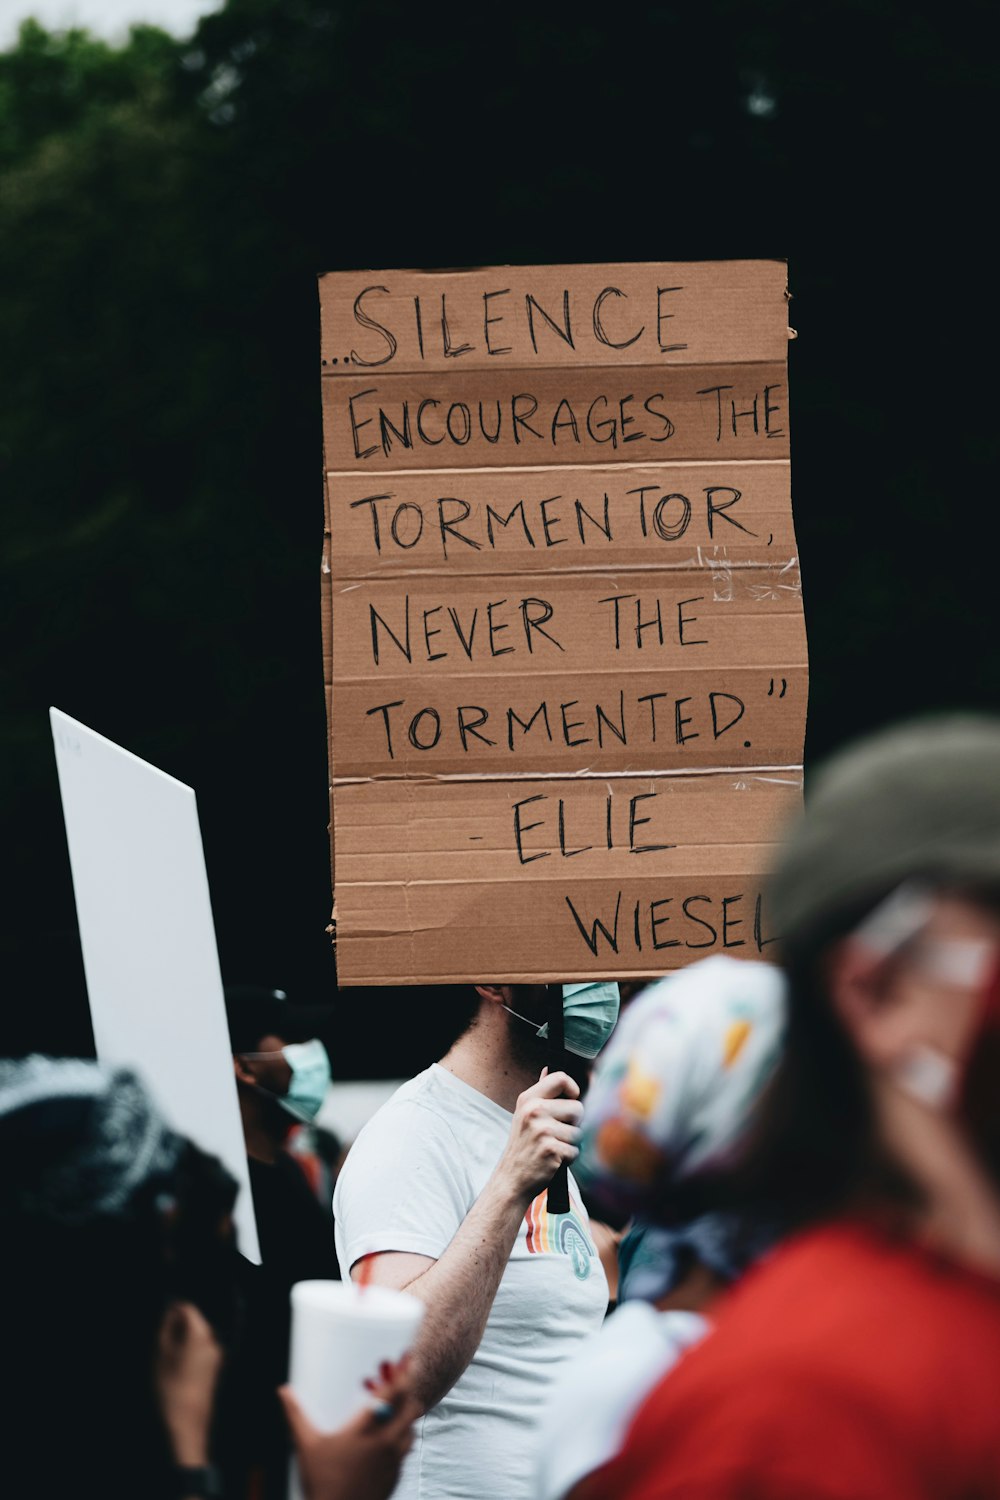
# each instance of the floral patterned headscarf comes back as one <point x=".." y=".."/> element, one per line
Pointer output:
<point x="673" y="1090"/>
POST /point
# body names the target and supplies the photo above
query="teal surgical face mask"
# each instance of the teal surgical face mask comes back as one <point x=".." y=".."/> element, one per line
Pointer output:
<point x="310" y="1065"/>
<point x="590" y="1012"/>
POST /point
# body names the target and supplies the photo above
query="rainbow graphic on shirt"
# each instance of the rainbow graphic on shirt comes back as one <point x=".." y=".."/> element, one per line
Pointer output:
<point x="559" y="1234"/>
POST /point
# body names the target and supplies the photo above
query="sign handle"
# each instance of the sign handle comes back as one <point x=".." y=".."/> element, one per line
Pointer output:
<point x="558" y="1199"/>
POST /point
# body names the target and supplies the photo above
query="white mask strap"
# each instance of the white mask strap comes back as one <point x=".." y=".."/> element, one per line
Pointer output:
<point x="544" y="1026"/>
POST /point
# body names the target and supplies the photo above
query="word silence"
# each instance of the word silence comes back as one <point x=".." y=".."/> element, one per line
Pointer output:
<point x="541" y="316"/>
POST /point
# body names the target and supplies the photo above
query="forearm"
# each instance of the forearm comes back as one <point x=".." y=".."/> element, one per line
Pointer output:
<point x="459" y="1288"/>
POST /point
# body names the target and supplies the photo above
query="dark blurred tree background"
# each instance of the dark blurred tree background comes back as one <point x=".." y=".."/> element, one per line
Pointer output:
<point x="164" y="207"/>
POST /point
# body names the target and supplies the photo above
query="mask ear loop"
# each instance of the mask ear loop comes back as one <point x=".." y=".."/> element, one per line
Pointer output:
<point x="526" y="1019"/>
<point x="558" y="1197"/>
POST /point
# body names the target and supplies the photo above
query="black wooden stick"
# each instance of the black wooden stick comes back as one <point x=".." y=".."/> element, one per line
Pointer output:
<point x="558" y="1200"/>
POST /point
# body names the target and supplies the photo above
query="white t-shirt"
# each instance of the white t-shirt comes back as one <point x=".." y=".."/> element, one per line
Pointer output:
<point x="410" y="1179"/>
<point x="591" y="1405"/>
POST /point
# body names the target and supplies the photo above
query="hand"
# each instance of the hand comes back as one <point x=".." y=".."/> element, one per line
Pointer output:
<point x="186" y="1372"/>
<point x="362" y="1459"/>
<point x="544" y="1134"/>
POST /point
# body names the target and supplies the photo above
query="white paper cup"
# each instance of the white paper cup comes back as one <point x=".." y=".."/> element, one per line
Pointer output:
<point x="341" y="1333"/>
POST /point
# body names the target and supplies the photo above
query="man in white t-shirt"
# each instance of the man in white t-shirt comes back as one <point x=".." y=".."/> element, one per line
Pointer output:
<point x="445" y="1188"/>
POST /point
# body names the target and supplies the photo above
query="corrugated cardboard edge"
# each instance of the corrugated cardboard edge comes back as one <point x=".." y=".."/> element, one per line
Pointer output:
<point x="326" y="622"/>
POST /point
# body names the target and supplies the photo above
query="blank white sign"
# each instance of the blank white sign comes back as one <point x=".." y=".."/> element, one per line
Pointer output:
<point x="148" y="939"/>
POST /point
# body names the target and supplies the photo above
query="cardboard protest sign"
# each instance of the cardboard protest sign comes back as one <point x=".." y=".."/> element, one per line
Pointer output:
<point x="149" y="951"/>
<point x="563" y="631"/>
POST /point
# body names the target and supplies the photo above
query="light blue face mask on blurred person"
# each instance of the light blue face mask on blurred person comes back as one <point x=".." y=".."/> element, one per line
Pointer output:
<point x="590" y="1013"/>
<point x="309" y="1063"/>
<point x="310" y="1067"/>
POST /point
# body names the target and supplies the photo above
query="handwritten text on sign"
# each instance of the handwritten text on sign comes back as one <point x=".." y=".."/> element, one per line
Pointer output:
<point x="563" y="624"/>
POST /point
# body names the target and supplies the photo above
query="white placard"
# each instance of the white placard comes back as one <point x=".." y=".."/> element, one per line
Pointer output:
<point x="149" y="950"/>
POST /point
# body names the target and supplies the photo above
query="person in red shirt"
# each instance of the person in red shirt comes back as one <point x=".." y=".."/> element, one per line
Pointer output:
<point x="862" y="1358"/>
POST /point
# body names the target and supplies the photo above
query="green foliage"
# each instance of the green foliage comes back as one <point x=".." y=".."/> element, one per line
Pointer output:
<point x="56" y="84"/>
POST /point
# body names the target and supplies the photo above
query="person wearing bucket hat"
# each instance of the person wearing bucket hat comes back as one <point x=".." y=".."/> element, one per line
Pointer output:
<point x="862" y="1358"/>
<point x="119" y="1265"/>
<point x="122" y="1307"/>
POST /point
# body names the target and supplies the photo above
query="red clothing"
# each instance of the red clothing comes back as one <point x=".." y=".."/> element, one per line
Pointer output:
<point x="846" y="1367"/>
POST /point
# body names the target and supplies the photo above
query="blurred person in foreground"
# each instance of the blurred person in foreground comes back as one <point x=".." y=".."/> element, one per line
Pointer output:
<point x="445" y="1193"/>
<point x="118" y="1248"/>
<point x="118" y="1255"/>
<point x="862" y="1359"/>
<point x="282" y="1075"/>
<point x="670" y="1100"/>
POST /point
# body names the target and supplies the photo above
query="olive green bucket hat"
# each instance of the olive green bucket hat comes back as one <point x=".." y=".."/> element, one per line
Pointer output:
<point x="919" y="801"/>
